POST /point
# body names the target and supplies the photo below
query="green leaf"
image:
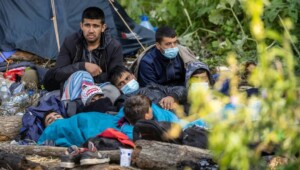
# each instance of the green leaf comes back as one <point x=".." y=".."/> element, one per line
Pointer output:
<point x="221" y="6"/>
<point x="216" y="17"/>
<point x="215" y="44"/>
<point x="231" y="2"/>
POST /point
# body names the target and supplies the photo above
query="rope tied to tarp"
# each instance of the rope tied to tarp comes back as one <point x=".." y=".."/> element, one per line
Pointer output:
<point x="55" y="24"/>
<point x="111" y="2"/>
<point x="7" y="61"/>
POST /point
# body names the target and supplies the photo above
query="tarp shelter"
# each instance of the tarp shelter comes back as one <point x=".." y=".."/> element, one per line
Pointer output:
<point x="28" y="25"/>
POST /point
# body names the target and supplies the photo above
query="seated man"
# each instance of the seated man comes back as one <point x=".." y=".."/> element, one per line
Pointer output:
<point x="165" y="62"/>
<point x="166" y="97"/>
<point x="91" y="50"/>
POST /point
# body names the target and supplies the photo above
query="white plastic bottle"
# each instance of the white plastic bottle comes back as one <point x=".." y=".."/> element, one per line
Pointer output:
<point x="4" y="93"/>
<point x="145" y="23"/>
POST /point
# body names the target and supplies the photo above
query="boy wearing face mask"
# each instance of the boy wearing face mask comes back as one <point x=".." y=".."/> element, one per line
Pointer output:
<point x="164" y="63"/>
<point x="166" y="97"/>
<point x="197" y="76"/>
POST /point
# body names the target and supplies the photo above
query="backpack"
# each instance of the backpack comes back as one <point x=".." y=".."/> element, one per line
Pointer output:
<point x="153" y="130"/>
<point x="195" y="136"/>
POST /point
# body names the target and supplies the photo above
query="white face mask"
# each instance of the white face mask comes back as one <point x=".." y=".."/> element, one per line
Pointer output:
<point x="199" y="85"/>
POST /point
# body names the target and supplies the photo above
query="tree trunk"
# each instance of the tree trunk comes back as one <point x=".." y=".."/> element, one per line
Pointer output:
<point x="160" y="155"/>
<point x="49" y="151"/>
<point x="13" y="161"/>
<point x="10" y="127"/>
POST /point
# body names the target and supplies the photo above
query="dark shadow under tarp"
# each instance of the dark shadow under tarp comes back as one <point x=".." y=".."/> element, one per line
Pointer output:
<point x="27" y="25"/>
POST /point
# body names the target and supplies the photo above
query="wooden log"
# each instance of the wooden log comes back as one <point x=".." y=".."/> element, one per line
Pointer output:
<point x="160" y="155"/>
<point x="14" y="161"/>
<point x="103" y="167"/>
<point x="49" y="151"/>
<point x="10" y="127"/>
<point x="33" y="149"/>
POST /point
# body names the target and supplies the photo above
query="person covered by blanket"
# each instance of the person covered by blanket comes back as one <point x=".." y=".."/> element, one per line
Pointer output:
<point x="167" y="97"/>
<point x="140" y="107"/>
<point x="164" y="63"/>
<point x="93" y="99"/>
<point x="79" y="128"/>
<point x="50" y="117"/>
<point x="91" y="50"/>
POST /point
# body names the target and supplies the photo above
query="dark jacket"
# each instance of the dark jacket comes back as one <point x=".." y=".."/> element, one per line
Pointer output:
<point x="72" y="57"/>
<point x="185" y="54"/>
<point x="103" y="105"/>
<point x="156" y="92"/>
<point x="155" y="68"/>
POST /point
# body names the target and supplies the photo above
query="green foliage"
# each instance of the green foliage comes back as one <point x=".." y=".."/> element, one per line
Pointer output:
<point x="213" y="28"/>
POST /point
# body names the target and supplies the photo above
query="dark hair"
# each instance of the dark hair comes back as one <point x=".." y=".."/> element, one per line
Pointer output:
<point x="164" y="31"/>
<point x="200" y="71"/>
<point x="136" y="107"/>
<point x="248" y="63"/>
<point x="46" y="114"/>
<point x="245" y="73"/>
<point x="93" y="13"/>
<point x="117" y="73"/>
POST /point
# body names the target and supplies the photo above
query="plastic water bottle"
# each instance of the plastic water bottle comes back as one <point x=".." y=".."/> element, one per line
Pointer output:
<point x="4" y="93"/>
<point x="145" y="23"/>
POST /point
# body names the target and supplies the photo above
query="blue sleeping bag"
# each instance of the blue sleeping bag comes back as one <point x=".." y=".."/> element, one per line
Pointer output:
<point x="79" y="128"/>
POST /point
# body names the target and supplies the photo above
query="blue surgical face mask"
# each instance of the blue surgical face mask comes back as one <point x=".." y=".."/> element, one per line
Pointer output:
<point x="171" y="53"/>
<point x="130" y="87"/>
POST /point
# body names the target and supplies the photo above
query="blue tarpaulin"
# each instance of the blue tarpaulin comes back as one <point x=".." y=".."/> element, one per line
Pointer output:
<point x="28" y="25"/>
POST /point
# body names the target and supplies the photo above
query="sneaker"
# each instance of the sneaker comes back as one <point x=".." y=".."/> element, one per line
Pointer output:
<point x="71" y="157"/>
<point x="92" y="156"/>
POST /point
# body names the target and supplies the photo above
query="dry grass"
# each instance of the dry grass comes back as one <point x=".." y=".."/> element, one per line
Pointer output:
<point x="45" y="161"/>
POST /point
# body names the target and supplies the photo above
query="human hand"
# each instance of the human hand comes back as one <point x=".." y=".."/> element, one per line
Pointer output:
<point x="167" y="102"/>
<point x="93" y="69"/>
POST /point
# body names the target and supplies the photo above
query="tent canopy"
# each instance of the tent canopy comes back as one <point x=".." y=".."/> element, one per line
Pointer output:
<point x="27" y="25"/>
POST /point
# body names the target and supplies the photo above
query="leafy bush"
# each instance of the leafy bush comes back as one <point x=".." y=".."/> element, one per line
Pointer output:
<point x="215" y="27"/>
<point x="229" y="32"/>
